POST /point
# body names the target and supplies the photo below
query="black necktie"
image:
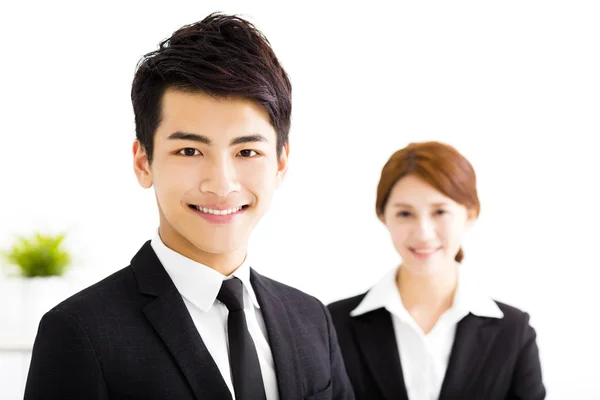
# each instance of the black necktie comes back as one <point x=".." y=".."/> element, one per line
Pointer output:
<point x="243" y="359"/>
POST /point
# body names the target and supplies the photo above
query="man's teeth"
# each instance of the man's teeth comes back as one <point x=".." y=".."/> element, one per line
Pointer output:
<point x="218" y="212"/>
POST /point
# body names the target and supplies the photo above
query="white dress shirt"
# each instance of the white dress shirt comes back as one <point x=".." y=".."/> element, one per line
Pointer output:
<point x="424" y="357"/>
<point x="199" y="286"/>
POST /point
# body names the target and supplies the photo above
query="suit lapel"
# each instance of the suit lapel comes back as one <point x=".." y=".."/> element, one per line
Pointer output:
<point x="173" y="323"/>
<point x="376" y="338"/>
<point x="280" y="336"/>
<point x="473" y="340"/>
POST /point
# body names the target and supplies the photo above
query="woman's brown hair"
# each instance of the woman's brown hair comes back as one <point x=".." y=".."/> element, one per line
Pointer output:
<point x="438" y="164"/>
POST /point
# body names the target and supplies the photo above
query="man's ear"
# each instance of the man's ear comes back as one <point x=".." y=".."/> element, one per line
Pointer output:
<point x="141" y="166"/>
<point x="282" y="165"/>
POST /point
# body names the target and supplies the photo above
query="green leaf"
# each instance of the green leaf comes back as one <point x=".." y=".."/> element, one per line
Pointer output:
<point x="39" y="255"/>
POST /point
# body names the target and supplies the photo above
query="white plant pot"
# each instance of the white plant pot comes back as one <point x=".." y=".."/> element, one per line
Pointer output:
<point x="30" y="298"/>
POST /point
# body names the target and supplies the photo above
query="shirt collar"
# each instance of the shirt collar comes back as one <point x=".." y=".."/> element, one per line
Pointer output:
<point x="468" y="298"/>
<point x="197" y="282"/>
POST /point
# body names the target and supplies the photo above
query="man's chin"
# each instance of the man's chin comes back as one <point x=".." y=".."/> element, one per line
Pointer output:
<point x="219" y="246"/>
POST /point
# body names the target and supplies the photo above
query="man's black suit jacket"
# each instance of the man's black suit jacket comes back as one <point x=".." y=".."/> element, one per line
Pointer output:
<point x="130" y="336"/>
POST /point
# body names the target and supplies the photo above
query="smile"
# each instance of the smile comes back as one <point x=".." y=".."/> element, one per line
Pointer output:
<point x="424" y="253"/>
<point x="218" y="215"/>
<point x="214" y="211"/>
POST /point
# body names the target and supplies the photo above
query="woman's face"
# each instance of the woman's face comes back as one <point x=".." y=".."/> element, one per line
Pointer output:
<point x="426" y="226"/>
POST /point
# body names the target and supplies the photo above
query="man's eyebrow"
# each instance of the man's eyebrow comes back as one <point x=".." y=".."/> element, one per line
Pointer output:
<point x="248" y="139"/>
<point x="194" y="137"/>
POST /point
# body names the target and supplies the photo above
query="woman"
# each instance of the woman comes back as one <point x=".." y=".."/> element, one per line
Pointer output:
<point x="426" y="331"/>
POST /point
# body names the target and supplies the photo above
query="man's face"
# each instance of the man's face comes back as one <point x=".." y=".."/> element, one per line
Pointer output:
<point x="214" y="170"/>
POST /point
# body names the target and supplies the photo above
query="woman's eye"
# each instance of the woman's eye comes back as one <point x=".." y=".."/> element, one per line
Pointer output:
<point x="403" y="214"/>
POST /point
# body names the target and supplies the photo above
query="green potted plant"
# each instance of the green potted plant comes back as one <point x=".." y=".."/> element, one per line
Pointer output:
<point x="39" y="256"/>
<point x="37" y="265"/>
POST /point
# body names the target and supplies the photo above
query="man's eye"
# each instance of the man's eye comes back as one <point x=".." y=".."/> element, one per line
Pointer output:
<point x="189" y="152"/>
<point x="248" y="153"/>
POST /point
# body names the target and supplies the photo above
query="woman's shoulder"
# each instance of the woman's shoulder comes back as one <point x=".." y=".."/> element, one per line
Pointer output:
<point x="342" y="308"/>
<point x="513" y="316"/>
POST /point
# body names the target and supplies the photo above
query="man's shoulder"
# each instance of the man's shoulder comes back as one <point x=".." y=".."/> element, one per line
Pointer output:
<point x="289" y="294"/>
<point x="100" y="296"/>
<point x="300" y="306"/>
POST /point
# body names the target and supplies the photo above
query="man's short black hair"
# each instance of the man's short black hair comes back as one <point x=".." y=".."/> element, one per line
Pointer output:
<point x="223" y="56"/>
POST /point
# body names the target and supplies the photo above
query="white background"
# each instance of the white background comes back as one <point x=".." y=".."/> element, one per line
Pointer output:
<point x="514" y="85"/>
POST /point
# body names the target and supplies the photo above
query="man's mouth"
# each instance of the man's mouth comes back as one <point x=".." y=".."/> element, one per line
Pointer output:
<point x="218" y="211"/>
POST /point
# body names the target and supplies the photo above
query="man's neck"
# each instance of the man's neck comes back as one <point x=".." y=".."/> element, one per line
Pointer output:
<point x="224" y="263"/>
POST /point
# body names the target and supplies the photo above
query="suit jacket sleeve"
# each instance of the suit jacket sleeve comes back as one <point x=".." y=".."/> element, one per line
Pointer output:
<point x="63" y="363"/>
<point x="527" y="381"/>
<point x="340" y="383"/>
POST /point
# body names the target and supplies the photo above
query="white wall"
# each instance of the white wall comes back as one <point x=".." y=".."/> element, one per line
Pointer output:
<point x="514" y="85"/>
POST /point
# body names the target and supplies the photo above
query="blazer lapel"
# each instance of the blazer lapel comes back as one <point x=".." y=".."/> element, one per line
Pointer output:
<point x="473" y="340"/>
<point x="376" y="338"/>
<point x="281" y="338"/>
<point x="173" y="323"/>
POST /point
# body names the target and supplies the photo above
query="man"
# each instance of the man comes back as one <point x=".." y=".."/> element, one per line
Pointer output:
<point x="189" y="318"/>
